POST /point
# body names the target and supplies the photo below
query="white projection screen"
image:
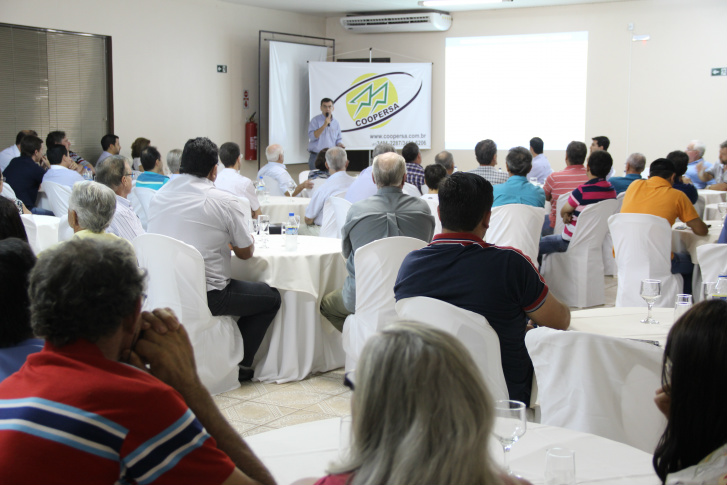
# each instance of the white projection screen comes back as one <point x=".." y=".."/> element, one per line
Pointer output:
<point x="288" y="104"/>
<point x="510" y="88"/>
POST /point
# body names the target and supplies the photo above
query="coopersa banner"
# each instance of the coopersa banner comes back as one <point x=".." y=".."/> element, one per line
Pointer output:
<point x="375" y="102"/>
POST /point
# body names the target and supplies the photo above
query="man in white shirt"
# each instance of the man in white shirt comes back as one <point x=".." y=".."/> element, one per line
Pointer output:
<point x="13" y="151"/>
<point x="230" y="180"/>
<point x="541" y="166"/>
<point x="275" y="168"/>
<point x="337" y="183"/>
<point x="111" y="146"/>
<point x="364" y="186"/>
<point x="62" y="167"/>
<point x="190" y="208"/>
<point x="115" y="173"/>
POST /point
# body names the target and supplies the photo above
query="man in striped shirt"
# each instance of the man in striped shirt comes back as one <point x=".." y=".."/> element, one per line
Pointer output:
<point x="87" y="409"/>
<point x="595" y="190"/>
<point x="115" y="173"/>
<point x="563" y="182"/>
<point x="414" y="171"/>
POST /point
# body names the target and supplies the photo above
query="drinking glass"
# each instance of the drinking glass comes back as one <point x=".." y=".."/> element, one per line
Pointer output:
<point x="722" y="209"/>
<point x="708" y="288"/>
<point x="291" y="187"/>
<point x="560" y="467"/>
<point x="650" y="292"/>
<point x="263" y="224"/>
<point x="510" y="425"/>
<point x="682" y="305"/>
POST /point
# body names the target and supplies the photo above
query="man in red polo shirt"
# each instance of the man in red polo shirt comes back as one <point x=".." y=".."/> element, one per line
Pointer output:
<point x="565" y="181"/>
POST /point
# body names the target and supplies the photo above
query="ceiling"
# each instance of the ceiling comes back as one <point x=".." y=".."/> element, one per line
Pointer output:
<point x="340" y="7"/>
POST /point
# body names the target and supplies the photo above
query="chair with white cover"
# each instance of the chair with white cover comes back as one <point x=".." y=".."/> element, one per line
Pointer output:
<point x="42" y="231"/>
<point x="8" y="192"/>
<point x="140" y="199"/>
<point x="411" y="189"/>
<point x="712" y="263"/>
<point x="433" y="205"/>
<point x="471" y="329"/>
<point x="58" y="196"/>
<point x="334" y="216"/>
<point x="610" y="268"/>
<point x="559" y="225"/>
<point x="517" y="226"/>
<point x="377" y="265"/>
<point x="177" y="280"/>
<point x="576" y="276"/>
<point x="598" y="384"/>
<point x="317" y="182"/>
<point x="303" y="176"/>
<point x="642" y="243"/>
<point x="272" y="186"/>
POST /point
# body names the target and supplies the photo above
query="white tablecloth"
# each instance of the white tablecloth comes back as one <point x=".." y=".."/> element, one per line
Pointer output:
<point x="305" y="450"/>
<point x="298" y="341"/>
<point x="623" y="322"/>
<point x="711" y="196"/>
<point x="685" y="239"/>
<point x="278" y="207"/>
<point x="711" y="213"/>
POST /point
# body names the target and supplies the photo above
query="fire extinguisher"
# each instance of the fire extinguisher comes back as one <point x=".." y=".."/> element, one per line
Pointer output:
<point x="251" y="139"/>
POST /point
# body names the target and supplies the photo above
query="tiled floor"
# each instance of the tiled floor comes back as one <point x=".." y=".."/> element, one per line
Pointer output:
<point x="256" y="407"/>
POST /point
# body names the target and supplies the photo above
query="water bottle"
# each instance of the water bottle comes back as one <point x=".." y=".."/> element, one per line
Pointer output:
<point x="720" y="291"/>
<point x="260" y="189"/>
<point x="291" y="232"/>
<point x="87" y="175"/>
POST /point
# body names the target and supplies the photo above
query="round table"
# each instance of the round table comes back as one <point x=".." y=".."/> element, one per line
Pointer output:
<point x="711" y="196"/>
<point x="278" y="207"/>
<point x="683" y="238"/>
<point x="712" y="213"/>
<point x="299" y="341"/>
<point x="301" y="454"/>
<point x="624" y="322"/>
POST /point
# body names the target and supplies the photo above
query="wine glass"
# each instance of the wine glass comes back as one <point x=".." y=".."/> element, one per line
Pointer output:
<point x="291" y="187"/>
<point x="263" y="224"/>
<point x="722" y="209"/>
<point x="510" y="425"/>
<point x="650" y="292"/>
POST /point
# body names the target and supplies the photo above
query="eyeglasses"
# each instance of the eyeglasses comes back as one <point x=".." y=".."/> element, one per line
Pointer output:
<point x="128" y="175"/>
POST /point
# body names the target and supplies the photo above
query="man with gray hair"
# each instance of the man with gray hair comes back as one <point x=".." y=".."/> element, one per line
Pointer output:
<point x="90" y="210"/>
<point x="275" y="168"/>
<point x="115" y="173"/>
<point x="387" y="213"/>
<point x="517" y="189"/>
<point x="337" y="183"/>
<point x="695" y="151"/>
<point x="635" y="164"/>
<point x="446" y="160"/>
<point x="174" y="160"/>
<point x="717" y="173"/>
<point x="364" y="186"/>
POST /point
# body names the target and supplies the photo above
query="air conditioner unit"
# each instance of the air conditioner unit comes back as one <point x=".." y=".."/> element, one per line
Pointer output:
<point x="406" y="22"/>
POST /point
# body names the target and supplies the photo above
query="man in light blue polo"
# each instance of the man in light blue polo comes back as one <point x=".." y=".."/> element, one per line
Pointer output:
<point x="153" y="176"/>
<point x="323" y="132"/>
<point x="635" y="164"/>
<point x="517" y="189"/>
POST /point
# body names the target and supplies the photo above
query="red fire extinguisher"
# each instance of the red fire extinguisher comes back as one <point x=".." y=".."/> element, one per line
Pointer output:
<point x="251" y="139"/>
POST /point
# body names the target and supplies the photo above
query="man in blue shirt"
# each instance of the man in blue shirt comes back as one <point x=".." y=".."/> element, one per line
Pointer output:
<point x="695" y="151"/>
<point x="153" y="176"/>
<point x="680" y="161"/>
<point x="517" y="189"/>
<point x="634" y="166"/>
<point x="323" y="132"/>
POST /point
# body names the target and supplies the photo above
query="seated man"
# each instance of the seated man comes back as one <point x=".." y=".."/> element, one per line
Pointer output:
<point x="321" y="172"/>
<point x="87" y="409"/>
<point x="174" y="159"/>
<point x="446" y="160"/>
<point x="501" y="284"/>
<point x="230" y="179"/>
<point x="657" y="197"/>
<point x="25" y="173"/>
<point x="16" y="335"/>
<point x="517" y="189"/>
<point x="540" y="166"/>
<point x="13" y="151"/>
<point x="433" y="176"/>
<point x="60" y="138"/>
<point x="364" y="186"/>
<point x="564" y="181"/>
<point x="153" y="176"/>
<point x="388" y="213"/>
<point x="337" y="183"/>
<point x="115" y="173"/>
<point x="716" y="173"/>
<point x="62" y="168"/>
<point x="276" y="169"/>
<point x="91" y="208"/>
<point x="695" y="151"/>
<point x="635" y="164"/>
<point x="595" y="190"/>
<point x="110" y="145"/>
<point x="414" y="170"/>
<point x="486" y="155"/>
<point x="680" y="161"/>
<point x="193" y="210"/>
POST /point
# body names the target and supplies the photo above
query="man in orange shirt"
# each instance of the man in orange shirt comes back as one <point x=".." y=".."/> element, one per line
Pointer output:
<point x="657" y="197"/>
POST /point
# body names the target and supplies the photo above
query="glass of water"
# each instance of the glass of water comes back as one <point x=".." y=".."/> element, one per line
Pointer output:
<point x="263" y="224"/>
<point x="682" y="305"/>
<point x="510" y="426"/>
<point x="650" y="292"/>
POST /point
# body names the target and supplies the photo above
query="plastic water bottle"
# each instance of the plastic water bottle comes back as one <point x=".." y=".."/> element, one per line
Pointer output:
<point x="87" y="175"/>
<point x="261" y="191"/>
<point x="720" y="291"/>
<point x="291" y="232"/>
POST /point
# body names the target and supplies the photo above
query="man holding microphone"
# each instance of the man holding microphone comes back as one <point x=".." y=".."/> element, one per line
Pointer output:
<point x="323" y="132"/>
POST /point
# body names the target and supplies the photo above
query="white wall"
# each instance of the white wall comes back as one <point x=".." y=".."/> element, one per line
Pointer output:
<point x="165" y="54"/>
<point x="673" y="97"/>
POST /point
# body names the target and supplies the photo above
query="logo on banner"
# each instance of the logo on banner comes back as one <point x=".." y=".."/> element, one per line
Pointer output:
<point x="372" y="100"/>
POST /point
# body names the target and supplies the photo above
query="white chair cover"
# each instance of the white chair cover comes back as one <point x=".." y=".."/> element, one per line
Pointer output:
<point x="598" y="384"/>
<point x="65" y="231"/>
<point x="334" y="216"/>
<point x="42" y="231"/>
<point x="712" y="263"/>
<point x="517" y="226"/>
<point x="177" y="281"/>
<point x="471" y="329"/>
<point x="558" y="219"/>
<point x="140" y="199"/>
<point x="433" y="205"/>
<point x="700" y="207"/>
<point x="425" y="189"/>
<point x="58" y="196"/>
<point x="316" y="183"/>
<point x="610" y="268"/>
<point x="9" y="193"/>
<point x="377" y="265"/>
<point x="411" y="189"/>
<point x="303" y="176"/>
<point x="272" y="186"/>
<point x="576" y="276"/>
<point x="642" y="243"/>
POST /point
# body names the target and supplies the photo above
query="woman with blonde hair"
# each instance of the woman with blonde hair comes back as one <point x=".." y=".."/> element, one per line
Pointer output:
<point x="421" y="414"/>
